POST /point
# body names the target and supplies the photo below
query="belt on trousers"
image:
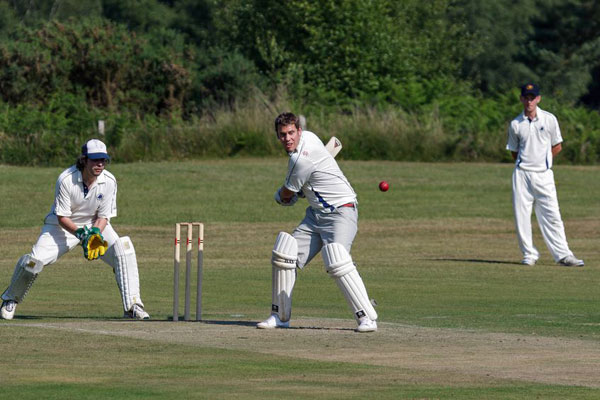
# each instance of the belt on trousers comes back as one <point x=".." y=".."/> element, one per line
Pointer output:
<point x="351" y="205"/>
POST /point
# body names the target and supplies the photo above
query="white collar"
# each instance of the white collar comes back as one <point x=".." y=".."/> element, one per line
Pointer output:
<point x="100" y="179"/>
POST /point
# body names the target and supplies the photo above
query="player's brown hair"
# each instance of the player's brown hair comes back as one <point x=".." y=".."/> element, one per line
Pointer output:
<point x="286" y="118"/>
<point x="80" y="163"/>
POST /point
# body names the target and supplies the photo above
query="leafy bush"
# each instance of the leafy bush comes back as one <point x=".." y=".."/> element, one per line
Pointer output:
<point x="49" y="136"/>
<point x="113" y="67"/>
<point x="460" y="128"/>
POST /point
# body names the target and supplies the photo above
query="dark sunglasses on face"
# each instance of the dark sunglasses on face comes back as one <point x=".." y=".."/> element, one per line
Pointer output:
<point x="100" y="161"/>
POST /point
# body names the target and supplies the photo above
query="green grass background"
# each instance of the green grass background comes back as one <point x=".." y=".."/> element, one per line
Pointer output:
<point x="437" y="250"/>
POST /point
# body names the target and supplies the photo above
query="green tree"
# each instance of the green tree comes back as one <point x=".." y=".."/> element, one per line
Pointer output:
<point x="555" y="43"/>
<point x="497" y="31"/>
<point x="139" y="15"/>
<point x="357" y="50"/>
<point x="564" y="48"/>
<point x="196" y="19"/>
<point x="36" y="12"/>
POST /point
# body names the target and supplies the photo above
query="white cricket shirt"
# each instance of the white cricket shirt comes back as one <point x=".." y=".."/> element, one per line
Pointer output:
<point x="533" y="140"/>
<point x="314" y="171"/>
<point x="69" y="199"/>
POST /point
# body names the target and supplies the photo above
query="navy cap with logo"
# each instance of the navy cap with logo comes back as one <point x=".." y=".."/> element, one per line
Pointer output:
<point x="94" y="149"/>
<point x="530" y="88"/>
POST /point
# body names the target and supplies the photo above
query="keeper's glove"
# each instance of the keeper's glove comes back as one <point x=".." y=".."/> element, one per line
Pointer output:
<point x="81" y="233"/>
<point x="93" y="244"/>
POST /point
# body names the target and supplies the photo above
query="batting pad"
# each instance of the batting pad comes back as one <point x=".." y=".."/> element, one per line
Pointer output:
<point x="121" y="256"/>
<point x="340" y="267"/>
<point x="283" y="260"/>
<point x="26" y="270"/>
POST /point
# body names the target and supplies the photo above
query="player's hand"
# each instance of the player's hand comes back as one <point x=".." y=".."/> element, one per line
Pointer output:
<point x="280" y="201"/>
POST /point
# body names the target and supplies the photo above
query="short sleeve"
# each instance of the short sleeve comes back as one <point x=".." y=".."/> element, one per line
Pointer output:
<point x="108" y="204"/>
<point x="62" y="201"/>
<point x="556" y="136"/>
<point x="513" y="138"/>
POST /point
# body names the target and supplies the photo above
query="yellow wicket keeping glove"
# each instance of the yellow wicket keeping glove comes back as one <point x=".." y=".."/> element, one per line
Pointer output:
<point x="94" y="244"/>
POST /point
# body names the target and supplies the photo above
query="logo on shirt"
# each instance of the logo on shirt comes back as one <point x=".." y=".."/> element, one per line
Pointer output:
<point x="305" y="153"/>
<point x="100" y="196"/>
<point x="541" y="128"/>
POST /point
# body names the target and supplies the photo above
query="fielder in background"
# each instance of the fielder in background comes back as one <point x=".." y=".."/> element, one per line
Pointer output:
<point x="85" y="200"/>
<point x="329" y="226"/>
<point x="534" y="139"/>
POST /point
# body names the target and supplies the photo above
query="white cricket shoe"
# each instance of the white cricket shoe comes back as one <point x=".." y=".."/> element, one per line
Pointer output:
<point x="8" y="309"/>
<point x="273" y="322"/>
<point x="136" y="312"/>
<point x="528" y="261"/>
<point x="571" y="261"/>
<point x="366" y="324"/>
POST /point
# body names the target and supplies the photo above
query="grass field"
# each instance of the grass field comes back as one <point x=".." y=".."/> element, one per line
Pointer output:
<point x="459" y="316"/>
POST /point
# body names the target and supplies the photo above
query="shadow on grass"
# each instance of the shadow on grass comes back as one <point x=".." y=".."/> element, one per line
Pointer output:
<point x="72" y="317"/>
<point x="28" y="317"/>
<point x="475" y="260"/>
<point x="253" y="324"/>
<point x="322" y="328"/>
<point x="46" y="317"/>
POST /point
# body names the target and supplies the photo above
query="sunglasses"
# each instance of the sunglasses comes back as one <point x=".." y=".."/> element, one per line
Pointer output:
<point x="100" y="161"/>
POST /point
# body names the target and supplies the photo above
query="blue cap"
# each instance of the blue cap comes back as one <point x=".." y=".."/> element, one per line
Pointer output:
<point x="530" y="88"/>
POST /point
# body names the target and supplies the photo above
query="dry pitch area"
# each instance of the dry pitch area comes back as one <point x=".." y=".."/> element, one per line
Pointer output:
<point x="422" y="355"/>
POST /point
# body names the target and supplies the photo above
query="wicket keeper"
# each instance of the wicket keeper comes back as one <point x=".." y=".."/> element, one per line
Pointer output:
<point x="85" y="201"/>
<point x="329" y="226"/>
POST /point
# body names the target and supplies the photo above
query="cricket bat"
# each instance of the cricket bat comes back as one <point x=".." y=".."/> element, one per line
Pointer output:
<point x="333" y="146"/>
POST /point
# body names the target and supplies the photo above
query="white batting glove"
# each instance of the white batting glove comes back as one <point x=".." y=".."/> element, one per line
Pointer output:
<point x="292" y="201"/>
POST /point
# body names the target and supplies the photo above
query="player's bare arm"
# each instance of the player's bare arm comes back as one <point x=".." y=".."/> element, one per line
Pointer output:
<point x="100" y="223"/>
<point x="67" y="224"/>
<point x="556" y="149"/>
<point x="514" y="155"/>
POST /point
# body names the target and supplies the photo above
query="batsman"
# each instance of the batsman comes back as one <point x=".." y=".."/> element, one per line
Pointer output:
<point x="329" y="226"/>
<point x="85" y="201"/>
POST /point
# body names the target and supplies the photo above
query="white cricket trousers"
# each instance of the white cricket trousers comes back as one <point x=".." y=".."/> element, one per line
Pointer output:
<point x="318" y="229"/>
<point x="54" y="242"/>
<point x="538" y="189"/>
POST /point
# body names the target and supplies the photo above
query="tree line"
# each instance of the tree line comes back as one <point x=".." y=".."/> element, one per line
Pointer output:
<point x="167" y="75"/>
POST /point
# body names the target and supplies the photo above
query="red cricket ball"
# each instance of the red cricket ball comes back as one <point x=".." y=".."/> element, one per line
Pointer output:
<point x="384" y="186"/>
